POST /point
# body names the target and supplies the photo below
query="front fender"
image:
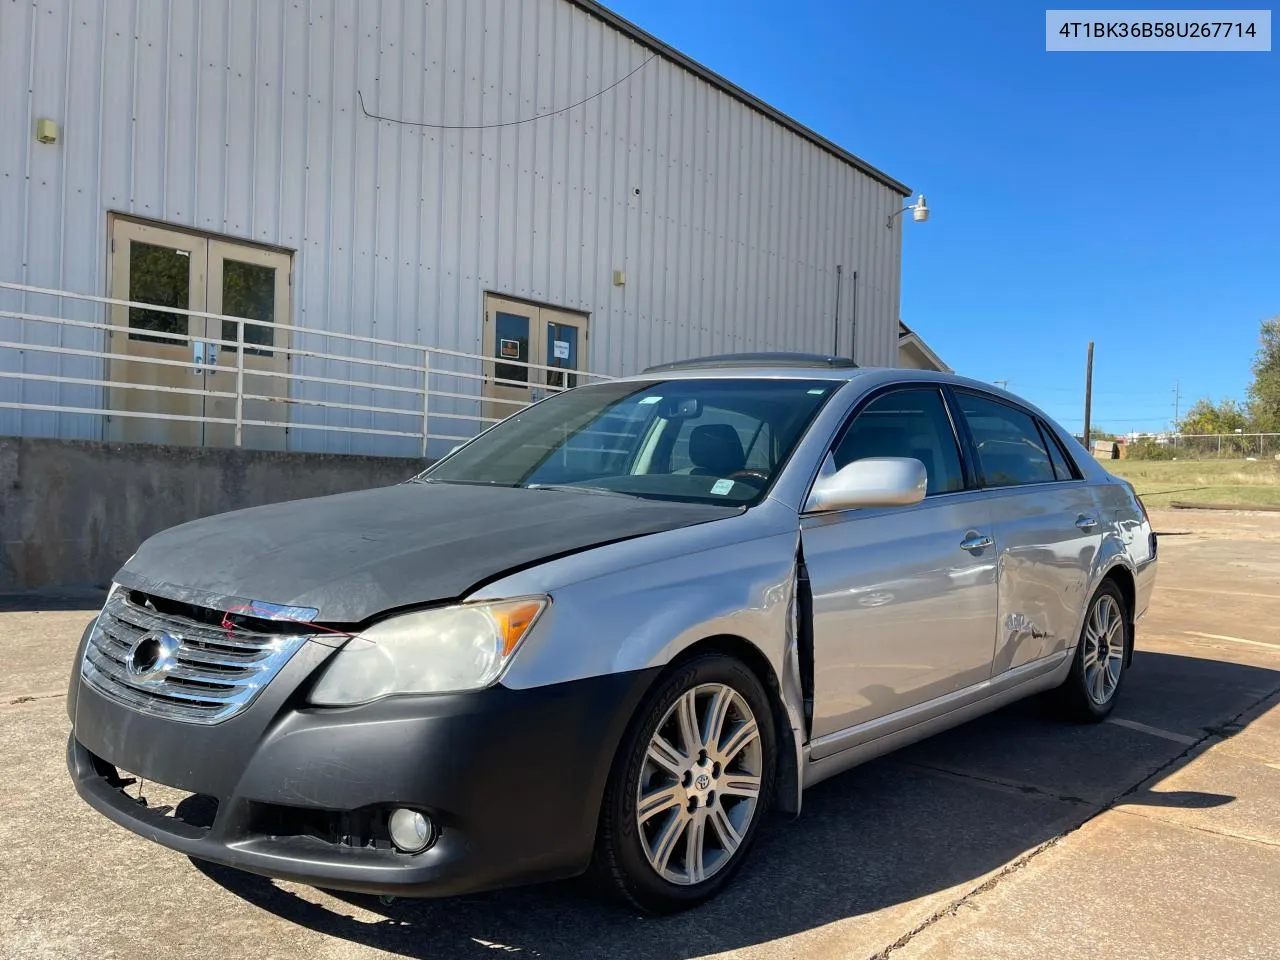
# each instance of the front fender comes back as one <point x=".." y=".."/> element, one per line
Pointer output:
<point x="644" y="617"/>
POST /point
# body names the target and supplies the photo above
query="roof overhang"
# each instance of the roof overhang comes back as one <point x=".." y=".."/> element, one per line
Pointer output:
<point x="908" y="339"/>
<point x="668" y="52"/>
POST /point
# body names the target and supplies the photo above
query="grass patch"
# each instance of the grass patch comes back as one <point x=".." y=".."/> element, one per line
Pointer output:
<point x="1160" y="482"/>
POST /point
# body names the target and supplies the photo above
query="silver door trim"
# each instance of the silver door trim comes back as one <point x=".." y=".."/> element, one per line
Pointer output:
<point x="982" y="695"/>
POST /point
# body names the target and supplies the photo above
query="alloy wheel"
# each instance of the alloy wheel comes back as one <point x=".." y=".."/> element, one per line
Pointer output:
<point x="1104" y="637"/>
<point x="700" y="783"/>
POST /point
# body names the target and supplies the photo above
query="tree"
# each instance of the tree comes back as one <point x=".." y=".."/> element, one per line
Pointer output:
<point x="1264" y="392"/>
<point x="1205" y="416"/>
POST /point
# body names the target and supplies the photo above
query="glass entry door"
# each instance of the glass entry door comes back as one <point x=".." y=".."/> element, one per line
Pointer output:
<point x="252" y="283"/>
<point x="517" y="333"/>
<point x="194" y="376"/>
<point x="165" y="268"/>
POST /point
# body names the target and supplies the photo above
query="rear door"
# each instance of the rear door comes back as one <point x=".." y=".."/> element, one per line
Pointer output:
<point x="1046" y="525"/>
<point x="904" y="598"/>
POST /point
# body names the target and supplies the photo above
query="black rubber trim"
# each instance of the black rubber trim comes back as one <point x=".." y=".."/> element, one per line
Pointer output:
<point x="513" y="778"/>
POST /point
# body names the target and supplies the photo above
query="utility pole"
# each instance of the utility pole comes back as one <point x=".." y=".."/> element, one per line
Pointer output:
<point x="1002" y="384"/>
<point x="1177" y="401"/>
<point x="1088" y="399"/>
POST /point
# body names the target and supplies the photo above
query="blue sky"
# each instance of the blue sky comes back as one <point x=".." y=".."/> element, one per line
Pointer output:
<point x="1126" y="198"/>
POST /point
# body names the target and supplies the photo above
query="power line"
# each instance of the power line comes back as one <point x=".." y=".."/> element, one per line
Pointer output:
<point x="506" y="123"/>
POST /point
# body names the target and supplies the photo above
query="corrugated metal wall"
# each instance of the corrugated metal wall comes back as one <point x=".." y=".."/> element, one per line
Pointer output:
<point x="242" y="118"/>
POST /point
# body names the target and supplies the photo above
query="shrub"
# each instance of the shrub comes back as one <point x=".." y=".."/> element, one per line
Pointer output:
<point x="1148" y="449"/>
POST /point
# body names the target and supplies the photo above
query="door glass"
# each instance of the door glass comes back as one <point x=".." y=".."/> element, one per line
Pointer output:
<point x="249" y="290"/>
<point x="1057" y="457"/>
<point x="562" y="351"/>
<point x="511" y="334"/>
<point x="1010" y="449"/>
<point x="159" y="275"/>
<point x="906" y="423"/>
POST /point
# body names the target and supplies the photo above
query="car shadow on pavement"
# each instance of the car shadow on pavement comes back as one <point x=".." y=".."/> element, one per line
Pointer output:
<point x="935" y="818"/>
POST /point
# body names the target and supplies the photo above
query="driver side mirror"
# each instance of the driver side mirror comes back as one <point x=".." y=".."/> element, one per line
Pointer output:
<point x="873" y="482"/>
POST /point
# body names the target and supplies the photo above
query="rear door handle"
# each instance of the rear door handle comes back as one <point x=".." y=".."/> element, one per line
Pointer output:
<point x="1086" y="523"/>
<point x="976" y="541"/>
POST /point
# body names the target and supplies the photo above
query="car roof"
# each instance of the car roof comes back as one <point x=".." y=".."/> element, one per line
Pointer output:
<point x="814" y="367"/>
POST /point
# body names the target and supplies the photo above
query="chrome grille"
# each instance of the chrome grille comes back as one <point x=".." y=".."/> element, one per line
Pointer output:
<point x="213" y="673"/>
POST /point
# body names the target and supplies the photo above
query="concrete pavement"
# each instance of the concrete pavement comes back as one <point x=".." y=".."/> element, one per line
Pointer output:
<point x="1155" y="835"/>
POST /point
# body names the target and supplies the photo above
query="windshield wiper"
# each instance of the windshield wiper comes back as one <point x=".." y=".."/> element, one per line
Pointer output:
<point x="575" y="488"/>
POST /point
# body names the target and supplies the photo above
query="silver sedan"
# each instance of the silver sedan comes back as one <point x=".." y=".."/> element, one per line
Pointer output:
<point x="611" y="631"/>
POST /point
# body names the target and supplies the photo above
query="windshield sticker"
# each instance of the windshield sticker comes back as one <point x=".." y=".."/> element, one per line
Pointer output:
<point x="721" y="487"/>
<point x="817" y="393"/>
<point x="649" y="400"/>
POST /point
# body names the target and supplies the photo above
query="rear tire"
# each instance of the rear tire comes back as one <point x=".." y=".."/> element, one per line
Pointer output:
<point x="689" y="788"/>
<point x="1092" y="687"/>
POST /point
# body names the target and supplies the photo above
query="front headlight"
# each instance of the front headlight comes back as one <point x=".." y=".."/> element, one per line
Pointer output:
<point x="447" y="650"/>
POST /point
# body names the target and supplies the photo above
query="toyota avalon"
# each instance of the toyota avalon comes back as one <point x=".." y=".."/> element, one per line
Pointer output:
<point x="609" y="633"/>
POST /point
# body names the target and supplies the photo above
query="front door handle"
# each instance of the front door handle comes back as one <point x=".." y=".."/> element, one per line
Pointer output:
<point x="1086" y="523"/>
<point x="976" y="541"/>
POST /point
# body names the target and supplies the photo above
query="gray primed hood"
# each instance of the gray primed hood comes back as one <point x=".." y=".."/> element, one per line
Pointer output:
<point x="354" y="555"/>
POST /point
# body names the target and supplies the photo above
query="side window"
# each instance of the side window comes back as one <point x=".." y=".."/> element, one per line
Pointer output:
<point x="1011" y="451"/>
<point x="906" y="423"/>
<point x="1061" y="469"/>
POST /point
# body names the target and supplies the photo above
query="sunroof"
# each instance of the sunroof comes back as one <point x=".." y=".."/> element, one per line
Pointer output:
<point x="809" y="360"/>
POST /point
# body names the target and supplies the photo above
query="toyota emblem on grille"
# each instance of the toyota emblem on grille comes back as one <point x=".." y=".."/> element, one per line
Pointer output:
<point x="152" y="656"/>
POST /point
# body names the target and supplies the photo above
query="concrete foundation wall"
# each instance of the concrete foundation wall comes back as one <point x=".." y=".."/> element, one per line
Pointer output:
<point x="72" y="511"/>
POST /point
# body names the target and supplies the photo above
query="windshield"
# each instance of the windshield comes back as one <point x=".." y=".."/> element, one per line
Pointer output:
<point x="704" y="441"/>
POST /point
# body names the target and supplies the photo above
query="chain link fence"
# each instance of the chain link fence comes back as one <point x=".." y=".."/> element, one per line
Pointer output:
<point x="1205" y="446"/>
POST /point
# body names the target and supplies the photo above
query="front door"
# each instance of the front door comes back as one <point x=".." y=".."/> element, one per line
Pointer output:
<point x="518" y="333"/>
<point x="170" y="375"/>
<point x="904" y="599"/>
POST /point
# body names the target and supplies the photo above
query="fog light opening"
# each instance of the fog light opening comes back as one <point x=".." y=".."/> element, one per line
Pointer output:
<point x="411" y="831"/>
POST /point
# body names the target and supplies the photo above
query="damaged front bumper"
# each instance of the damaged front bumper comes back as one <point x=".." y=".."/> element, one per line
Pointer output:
<point x="512" y="779"/>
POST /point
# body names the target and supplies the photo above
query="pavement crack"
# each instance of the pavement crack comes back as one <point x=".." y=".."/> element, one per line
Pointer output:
<point x="953" y="908"/>
<point x="28" y="698"/>
<point x="1008" y="786"/>
<point x="1230" y="835"/>
<point x="1019" y="863"/>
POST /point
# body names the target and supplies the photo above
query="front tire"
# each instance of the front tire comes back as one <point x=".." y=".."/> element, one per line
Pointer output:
<point x="1090" y="691"/>
<point x="689" y="787"/>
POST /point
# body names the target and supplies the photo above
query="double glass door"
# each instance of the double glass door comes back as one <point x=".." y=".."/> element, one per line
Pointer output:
<point x="194" y="377"/>
<point x="519" y="333"/>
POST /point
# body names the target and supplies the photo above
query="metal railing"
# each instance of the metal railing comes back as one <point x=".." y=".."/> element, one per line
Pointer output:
<point x="397" y="389"/>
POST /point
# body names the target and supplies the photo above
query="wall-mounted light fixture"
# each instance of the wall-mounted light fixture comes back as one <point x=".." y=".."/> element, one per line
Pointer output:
<point x="919" y="212"/>
<point x="47" y="130"/>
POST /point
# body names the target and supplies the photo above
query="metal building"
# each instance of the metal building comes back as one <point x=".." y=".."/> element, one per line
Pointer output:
<point x="530" y="181"/>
